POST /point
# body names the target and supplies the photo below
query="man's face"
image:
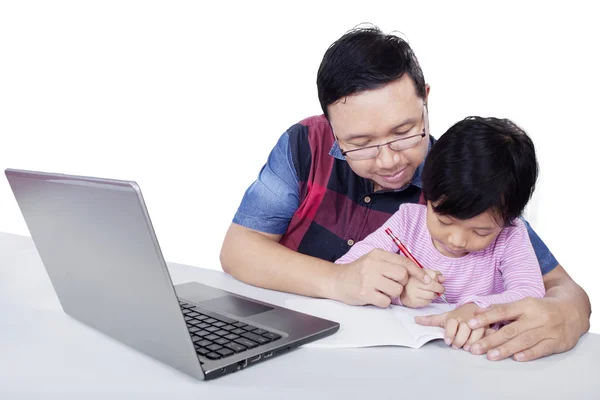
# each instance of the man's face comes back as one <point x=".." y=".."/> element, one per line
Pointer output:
<point x="376" y="117"/>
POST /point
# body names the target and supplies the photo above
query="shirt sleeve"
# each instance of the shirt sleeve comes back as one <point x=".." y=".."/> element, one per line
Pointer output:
<point x="272" y="199"/>
<point x="520" y="271"/>
<point x="545" y="258"/>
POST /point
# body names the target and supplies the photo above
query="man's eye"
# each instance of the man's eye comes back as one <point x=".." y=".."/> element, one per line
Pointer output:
<point x="363" y="144"/>
<point x="403" y="133"/>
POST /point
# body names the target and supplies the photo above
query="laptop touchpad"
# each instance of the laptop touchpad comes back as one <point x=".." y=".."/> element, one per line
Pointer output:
<point x="236" y="306"/>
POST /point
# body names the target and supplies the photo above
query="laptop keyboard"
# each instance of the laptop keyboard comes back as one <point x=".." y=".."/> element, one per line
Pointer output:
<point x="216" y="336"/>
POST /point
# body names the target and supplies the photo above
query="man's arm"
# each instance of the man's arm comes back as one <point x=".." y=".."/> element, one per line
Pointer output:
<point x="251" y="251"/>
<point x="267" y="264"/>
<point x="375" y="278"/>
<point x="560" y="285"/>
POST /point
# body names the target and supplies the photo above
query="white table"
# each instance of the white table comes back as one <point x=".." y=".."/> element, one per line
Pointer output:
<point x="45" y="354"/>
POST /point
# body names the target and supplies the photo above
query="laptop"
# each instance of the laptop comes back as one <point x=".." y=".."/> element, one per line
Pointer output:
<point x="96" y="241"/>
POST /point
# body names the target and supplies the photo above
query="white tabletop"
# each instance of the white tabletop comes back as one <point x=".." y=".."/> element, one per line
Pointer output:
<point x="45" y="354"/>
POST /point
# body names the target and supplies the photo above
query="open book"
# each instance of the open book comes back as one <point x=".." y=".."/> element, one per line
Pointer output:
<point x="366" y="326"/>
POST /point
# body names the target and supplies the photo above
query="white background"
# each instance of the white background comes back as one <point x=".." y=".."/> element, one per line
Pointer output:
<point x="188" y="98"/>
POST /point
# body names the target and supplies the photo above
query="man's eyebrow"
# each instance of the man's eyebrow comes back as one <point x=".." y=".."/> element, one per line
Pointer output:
<point x="352" y="136"/>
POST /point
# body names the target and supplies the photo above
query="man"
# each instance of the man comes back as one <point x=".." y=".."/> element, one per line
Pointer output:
<point x="333" y="179"/>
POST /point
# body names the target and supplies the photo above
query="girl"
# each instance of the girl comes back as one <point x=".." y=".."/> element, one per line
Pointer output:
<point x="477" y="181"/>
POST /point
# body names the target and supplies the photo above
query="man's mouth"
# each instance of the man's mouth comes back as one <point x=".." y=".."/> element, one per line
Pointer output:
<point x="395" y="177"/>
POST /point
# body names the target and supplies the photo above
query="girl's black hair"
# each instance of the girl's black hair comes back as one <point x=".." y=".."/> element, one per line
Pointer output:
<point x="481" y="164"/>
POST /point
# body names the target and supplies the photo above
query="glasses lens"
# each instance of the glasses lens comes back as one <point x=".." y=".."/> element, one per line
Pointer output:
<point x="362" y="154"/>
<point x="407" y="143"/>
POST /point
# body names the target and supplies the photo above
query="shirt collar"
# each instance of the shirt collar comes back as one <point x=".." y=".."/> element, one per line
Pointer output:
<point x="416" y="181"/>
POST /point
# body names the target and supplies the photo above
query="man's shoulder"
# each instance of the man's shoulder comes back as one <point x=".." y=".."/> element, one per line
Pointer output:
<point x="315" y="120"/>
<point x="313" y="124"/>
<point x="311" y="132"/>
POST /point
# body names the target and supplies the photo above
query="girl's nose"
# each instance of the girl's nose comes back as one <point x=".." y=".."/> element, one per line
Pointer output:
<point x="457" y="239"/>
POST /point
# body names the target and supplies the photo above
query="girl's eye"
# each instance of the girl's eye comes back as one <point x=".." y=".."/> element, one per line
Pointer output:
<point x="482" y="234"/>
<point x="444" y="223"/>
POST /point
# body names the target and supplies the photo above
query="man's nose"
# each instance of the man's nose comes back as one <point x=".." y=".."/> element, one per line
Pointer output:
<point x="387" y="158"/>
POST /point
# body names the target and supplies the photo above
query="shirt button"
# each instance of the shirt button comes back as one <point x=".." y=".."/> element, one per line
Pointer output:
<point x="350" y="242"/>
<point x="367" y="199"/>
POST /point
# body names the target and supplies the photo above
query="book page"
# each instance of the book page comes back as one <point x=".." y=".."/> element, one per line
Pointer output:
<point x="421" y="334"/>
<point x="367" y="326"/>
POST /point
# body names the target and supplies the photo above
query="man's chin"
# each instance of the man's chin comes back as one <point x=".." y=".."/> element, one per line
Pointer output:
<point x="379" y="185"/>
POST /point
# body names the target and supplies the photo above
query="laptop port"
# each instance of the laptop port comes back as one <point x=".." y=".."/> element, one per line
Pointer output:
<point x="242" y="364"/>
<point x="255" y="358"/>
<point x="268" y="354"/>
<point x="281" y="350"/>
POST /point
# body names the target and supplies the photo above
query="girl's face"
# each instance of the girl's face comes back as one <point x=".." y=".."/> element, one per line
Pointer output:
<point x="456" y="238"/>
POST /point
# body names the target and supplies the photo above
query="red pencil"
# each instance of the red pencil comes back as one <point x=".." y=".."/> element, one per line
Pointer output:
<point x="408" y="255"/>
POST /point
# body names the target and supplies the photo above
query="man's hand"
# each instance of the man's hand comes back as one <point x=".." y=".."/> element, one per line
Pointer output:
<point x="541" y="327"/>
<point x="417" y="294"/>
<point x="375" y="278"/>
<point x="457" y="332"/>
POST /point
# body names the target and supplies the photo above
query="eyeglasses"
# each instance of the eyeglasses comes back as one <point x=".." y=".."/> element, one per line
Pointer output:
<point x="405" y="143"/>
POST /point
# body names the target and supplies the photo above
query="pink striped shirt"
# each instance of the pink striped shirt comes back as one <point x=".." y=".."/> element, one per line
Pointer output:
<point x="506" y="271"/>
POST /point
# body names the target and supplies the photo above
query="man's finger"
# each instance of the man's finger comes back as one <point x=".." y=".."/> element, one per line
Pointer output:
<point x="520" y="343"/>
<point x="489" y="331"/>
<point x="387" y="286"/>
<point x="494" y="314"/>
<point x="432" y="320"/>
<point x="412" y="268"/>
<point x="544" y="348"/>
<point x="503" y="335"/>
<point x="391" y="271"/>
<point x="379" y="300"/>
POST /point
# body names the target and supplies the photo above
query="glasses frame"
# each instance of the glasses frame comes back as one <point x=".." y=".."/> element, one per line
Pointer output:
<point x="378" y="146"/>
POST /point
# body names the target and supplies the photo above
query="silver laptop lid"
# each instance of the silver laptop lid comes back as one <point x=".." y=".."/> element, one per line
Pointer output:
<point x="98" y="246"/>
